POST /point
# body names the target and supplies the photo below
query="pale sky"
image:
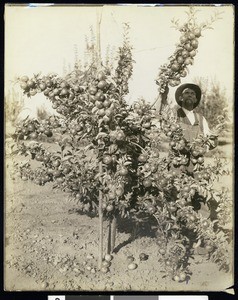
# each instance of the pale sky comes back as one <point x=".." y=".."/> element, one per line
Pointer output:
<point x="42" y="39"/>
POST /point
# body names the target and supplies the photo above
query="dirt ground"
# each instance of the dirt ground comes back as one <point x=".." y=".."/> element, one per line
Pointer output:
<point x="50" y="246"/>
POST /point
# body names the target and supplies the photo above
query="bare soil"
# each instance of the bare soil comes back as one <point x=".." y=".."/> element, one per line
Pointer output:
<point x="49" y="245"/>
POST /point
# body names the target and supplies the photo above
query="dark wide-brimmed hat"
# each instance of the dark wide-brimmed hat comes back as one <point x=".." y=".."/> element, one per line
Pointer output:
<point x="191" y="86"/>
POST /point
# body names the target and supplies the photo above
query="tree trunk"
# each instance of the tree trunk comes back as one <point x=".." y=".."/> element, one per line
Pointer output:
<point x="113" y="232"/>
<point x="100" y="213"/>
<point x="109" y="247"/>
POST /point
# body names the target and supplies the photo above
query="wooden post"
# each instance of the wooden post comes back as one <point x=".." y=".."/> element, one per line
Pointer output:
<point x="100" y="210"/>
<point x="98" y="38"/>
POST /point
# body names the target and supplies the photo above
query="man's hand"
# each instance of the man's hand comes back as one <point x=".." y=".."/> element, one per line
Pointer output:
<point x="165" y="95"/>
<point x="212" y="141"/>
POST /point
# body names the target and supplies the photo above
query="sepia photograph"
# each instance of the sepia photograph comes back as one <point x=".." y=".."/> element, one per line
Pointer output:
<point x="119" y="148"/>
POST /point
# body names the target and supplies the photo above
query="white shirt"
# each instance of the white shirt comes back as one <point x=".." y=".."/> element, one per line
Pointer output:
<point x="190" y="115"/>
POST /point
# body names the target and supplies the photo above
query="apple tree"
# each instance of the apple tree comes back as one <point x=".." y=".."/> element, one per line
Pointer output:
<point x="109" y="161"/>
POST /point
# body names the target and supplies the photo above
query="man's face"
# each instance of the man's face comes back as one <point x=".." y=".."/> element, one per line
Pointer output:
<point x="188" y="98"/>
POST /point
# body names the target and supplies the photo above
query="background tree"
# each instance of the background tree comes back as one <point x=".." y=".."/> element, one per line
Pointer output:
<point x="14" y="103"/>
<point x="214" y="103"/>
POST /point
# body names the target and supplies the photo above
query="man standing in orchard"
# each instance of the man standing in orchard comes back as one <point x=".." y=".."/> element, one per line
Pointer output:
<point x="193" y="124"/>
<point x="188" y="96"/>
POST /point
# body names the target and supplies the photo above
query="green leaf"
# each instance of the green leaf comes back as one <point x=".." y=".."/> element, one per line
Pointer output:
<point x="127" y="163"/>
<point x="175" y="219"/>
<point x="101" y="135"/>
<point x="94" y="110"/>
<point x="67" y="157"/>
<point x="97" y="176"/>
<point x="100" y="122"/>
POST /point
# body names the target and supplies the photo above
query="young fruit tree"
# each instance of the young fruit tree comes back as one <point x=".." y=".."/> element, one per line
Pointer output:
<point x="109" y="159"/>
